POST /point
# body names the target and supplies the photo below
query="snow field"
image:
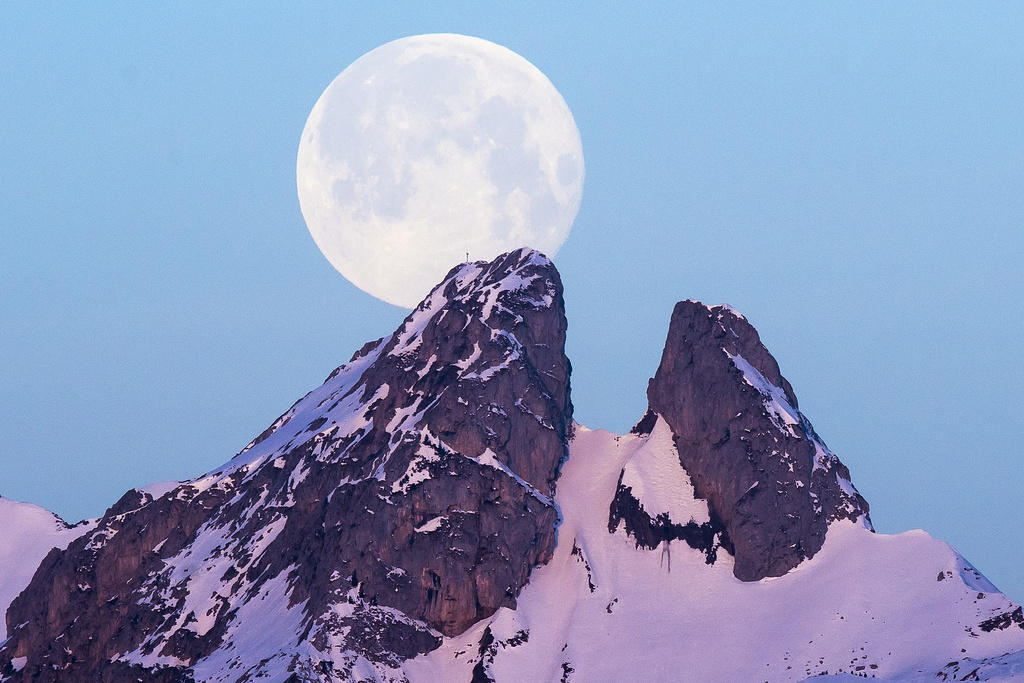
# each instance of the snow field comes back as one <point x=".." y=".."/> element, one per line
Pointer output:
<point x="865" y="600"/>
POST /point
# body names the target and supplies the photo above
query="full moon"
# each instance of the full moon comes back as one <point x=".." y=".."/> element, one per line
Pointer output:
<point x="430" y="148"/>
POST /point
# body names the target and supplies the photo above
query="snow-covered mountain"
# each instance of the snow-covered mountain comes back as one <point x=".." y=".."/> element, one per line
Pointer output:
<point x="432" y="512"/>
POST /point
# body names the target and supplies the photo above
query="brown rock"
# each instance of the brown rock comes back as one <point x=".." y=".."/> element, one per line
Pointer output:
<point x="408" y="497"/>
<point x="770" y="481"/>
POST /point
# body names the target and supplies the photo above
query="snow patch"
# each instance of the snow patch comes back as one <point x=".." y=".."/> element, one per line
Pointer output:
<point x="431" y="525"/>
<point x="658" y="480"/>
<point x="158" y="489"/>
<point x="782" y="414"/>
<point x="489" y="459"/>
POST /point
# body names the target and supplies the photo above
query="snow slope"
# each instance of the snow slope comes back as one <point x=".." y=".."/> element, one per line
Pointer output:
<point x="29" y="532"/>
<point x="658" y="481"/>
<point x="604" y="610"/>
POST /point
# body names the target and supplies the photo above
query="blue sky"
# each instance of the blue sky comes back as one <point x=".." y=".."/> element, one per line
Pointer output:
<point x="847" y="175"/>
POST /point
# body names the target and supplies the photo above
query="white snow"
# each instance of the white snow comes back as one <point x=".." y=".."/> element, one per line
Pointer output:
<point x="417" y="471"/>
<point x="431" y="525"/>
<point x="159" y="488"/>
<point x="264" y="625"/>
<point x="193" y="582"/>
<point x="489" y="459"/>
<point x="659" y="482"/>
<point x="467" y="362"/>
<point x="783" y="415"/>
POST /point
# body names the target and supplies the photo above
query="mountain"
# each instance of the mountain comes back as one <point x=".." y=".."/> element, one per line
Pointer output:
<point x="432" y="512"/>
<point x="771" y="484"/>
<point x="405" y="499"/>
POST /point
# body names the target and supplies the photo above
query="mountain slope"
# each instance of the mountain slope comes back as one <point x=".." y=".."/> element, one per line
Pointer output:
<point x="407" y="497"/>
<point x="604" y="609"/>
<point x="29" y="533"/>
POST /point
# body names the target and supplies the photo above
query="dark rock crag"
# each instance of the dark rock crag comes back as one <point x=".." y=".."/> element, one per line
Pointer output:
<point x="771" y="484"/>
<point x="405" y="499"/>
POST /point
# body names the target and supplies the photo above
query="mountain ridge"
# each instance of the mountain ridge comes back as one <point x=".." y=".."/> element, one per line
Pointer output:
<point x="432" y="511"/>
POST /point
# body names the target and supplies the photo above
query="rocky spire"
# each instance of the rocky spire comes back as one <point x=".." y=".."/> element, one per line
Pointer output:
<point x="771" y="484"/>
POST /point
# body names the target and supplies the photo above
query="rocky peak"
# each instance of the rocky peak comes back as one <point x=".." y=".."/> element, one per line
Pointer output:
<point x="407" y="497"/>
<point x="771" y="484"/>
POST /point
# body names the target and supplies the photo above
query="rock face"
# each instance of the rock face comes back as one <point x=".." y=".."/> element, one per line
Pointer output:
<point x="405" y="499"/>
<point x="27" y="534"/>
<point x="771" y="484"/>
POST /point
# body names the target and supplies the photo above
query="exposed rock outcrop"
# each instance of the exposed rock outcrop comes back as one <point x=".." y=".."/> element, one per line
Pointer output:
<point x="407" y="498"/>
<point x="771" y="484"/>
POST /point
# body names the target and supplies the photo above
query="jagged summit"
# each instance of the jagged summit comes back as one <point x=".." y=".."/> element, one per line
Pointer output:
<point x="470" y="327"/>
